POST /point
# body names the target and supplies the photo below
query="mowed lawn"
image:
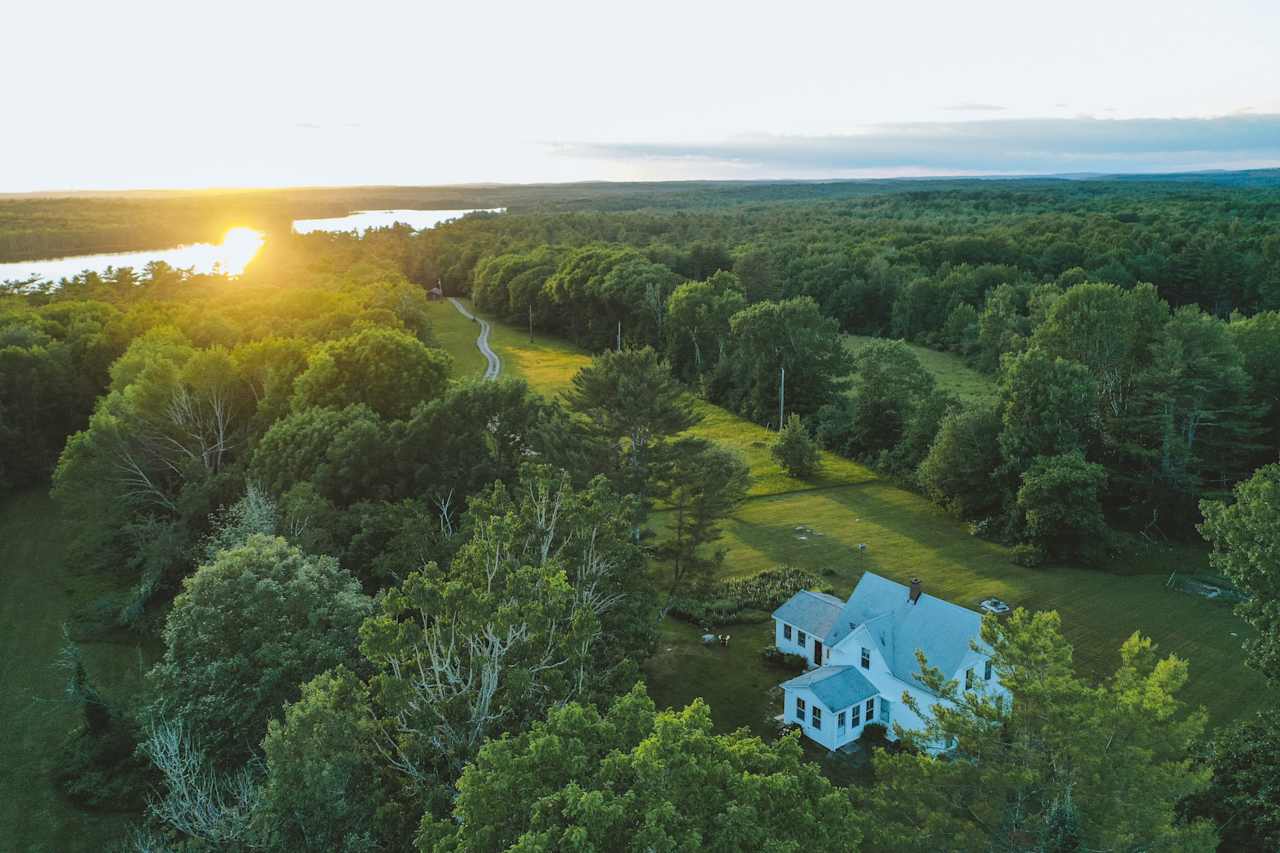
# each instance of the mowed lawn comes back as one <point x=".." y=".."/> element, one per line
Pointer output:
<point x="548" y="365"/>
<point x="457" y="336"/>
<point x="949" y="371"/>
<point x="906" y="536"/>
<point x="40" y="591"/>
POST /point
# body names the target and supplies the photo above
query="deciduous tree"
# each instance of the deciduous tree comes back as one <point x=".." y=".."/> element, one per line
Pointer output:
<point x="1067" y="765"/>
<point x="1245" y="536"/>
<point x="637" y="779"/>
<point x="247" y="629"/>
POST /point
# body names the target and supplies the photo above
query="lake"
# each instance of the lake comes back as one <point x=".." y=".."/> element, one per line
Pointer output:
<point x="231" y="255"/>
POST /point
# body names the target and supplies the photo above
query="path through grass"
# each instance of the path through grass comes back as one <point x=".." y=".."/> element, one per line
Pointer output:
<point x="908" y="536"/>
<point x="457" y="336"/>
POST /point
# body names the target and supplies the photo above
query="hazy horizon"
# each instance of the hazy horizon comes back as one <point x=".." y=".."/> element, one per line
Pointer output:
<point x="255" y="96"/>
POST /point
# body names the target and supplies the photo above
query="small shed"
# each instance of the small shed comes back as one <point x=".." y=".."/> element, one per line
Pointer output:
<point x="435" y="294"/>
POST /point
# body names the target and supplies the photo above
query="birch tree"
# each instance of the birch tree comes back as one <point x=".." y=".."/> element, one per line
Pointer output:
<point x="533" y="612"/>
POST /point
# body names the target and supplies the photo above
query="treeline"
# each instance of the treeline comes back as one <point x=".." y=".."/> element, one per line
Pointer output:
<point x="1115" y="409"/>
<point x="398" y="610"/>
<point x="401" y="612"/>
<point x="48" y="226"/>
<point x="292" y="491"/>
<point x="900" y="261"/>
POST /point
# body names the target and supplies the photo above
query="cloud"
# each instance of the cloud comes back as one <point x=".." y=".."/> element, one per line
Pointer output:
<point x="989" y="146"/>
<point x="973" y="107"/>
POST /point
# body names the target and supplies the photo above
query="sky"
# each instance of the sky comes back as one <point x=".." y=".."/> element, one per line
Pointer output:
<point x="272" y="93"/>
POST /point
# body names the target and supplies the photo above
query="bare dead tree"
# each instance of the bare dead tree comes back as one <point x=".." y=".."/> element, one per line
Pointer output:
<point x="200" y="802"/>
<point x="444" y="507"/>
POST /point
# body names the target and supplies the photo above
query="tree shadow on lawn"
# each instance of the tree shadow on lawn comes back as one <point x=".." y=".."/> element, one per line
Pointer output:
<point x="908" y="538"/>
<point x="734" y="680"/>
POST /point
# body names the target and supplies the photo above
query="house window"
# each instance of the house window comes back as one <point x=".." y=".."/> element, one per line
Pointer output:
<point x="871" y="709"/>
<point x="801" y="638"/>
<point x="884" y="711"/>
<point x="968" y="679"/>
<point x="986" y="671"/>
<point x="815" y="717"/>
<point x="786" y="632"/>
<point x="840" y="720"/>
<point x="866" y="658"/>
<point x="855" y="715"/>
<point x="799" y="708"/>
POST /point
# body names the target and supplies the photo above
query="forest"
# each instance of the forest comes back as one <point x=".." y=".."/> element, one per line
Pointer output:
<point x="390" y="606"/>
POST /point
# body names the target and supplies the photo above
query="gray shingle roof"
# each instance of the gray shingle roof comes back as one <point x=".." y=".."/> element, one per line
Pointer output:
<point x="837" y="687"/>
<point x="940" y="629"/>
<point x="814" y="613"/>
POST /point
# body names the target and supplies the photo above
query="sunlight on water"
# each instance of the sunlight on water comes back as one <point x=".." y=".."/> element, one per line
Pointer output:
<point x="231" y="256"/>
<point x="238" y="248"/>
<point x="363" y="220"/>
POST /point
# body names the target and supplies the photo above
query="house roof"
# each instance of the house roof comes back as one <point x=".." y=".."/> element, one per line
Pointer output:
<point x="836" y="687"/>
<point x="938" y="628"/>
<point x="814" y="613"/>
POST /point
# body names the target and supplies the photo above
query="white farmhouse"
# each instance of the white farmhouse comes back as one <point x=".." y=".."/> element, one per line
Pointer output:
<point x="862" y="654"/>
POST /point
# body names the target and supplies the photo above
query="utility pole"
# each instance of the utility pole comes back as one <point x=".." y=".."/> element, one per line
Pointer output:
<point x="619" y="336"/>
<point x="782" y="397"/>
<point x="530" y="322"/>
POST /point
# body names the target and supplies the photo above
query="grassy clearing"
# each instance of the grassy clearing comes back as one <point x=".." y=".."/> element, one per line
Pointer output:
<point x="949" y="371"/>
<point x="767" y="477"/>
<point x="40" y="591"/>
<point x="548" y="365"/>
<point x="908" y="536"/>
<point x="457" y="336"/>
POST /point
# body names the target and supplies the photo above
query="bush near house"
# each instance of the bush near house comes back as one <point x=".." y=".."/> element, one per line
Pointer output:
<point x="738" y="600"/>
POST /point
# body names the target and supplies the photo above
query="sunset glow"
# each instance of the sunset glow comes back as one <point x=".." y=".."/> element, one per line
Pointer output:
<point x="239" y="246"/>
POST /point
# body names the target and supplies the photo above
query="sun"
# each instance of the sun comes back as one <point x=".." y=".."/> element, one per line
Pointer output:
<point x="238" y="248"/>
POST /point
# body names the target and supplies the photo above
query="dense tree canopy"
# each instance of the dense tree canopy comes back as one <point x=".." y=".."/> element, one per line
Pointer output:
<point x="1129" y="331"/>
<point x="635" y="778"/>
<point x="769" y="337"/>
<point x="389" y="371"/>
<point x="245" y="632"/>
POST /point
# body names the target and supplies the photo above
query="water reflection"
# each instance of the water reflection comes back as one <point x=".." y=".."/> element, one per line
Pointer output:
<point x="237" y="248"/>
<point x="230" y="256"/>
<point x="363" y="220"/>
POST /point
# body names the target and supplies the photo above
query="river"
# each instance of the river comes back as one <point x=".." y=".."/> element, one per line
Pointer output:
<point x="237" y="248"/>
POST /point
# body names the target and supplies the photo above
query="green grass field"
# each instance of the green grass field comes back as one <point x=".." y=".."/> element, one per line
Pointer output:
<point x="907" y="536"/>
<point x="948" y="369"/>
<point x="548" y="365"/>
<point x="845" y="506"/>
<point x="457" y="336"/>
<point x="40" y="591"/>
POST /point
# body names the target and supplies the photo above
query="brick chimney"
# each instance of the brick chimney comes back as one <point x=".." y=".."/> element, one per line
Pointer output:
<point x="916" y="589"/>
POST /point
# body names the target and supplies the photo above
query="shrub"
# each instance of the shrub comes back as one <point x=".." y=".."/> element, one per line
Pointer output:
<point x="735" y="600"/>
<point x="874" y="735"/>
<point x="795" y="449"/>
